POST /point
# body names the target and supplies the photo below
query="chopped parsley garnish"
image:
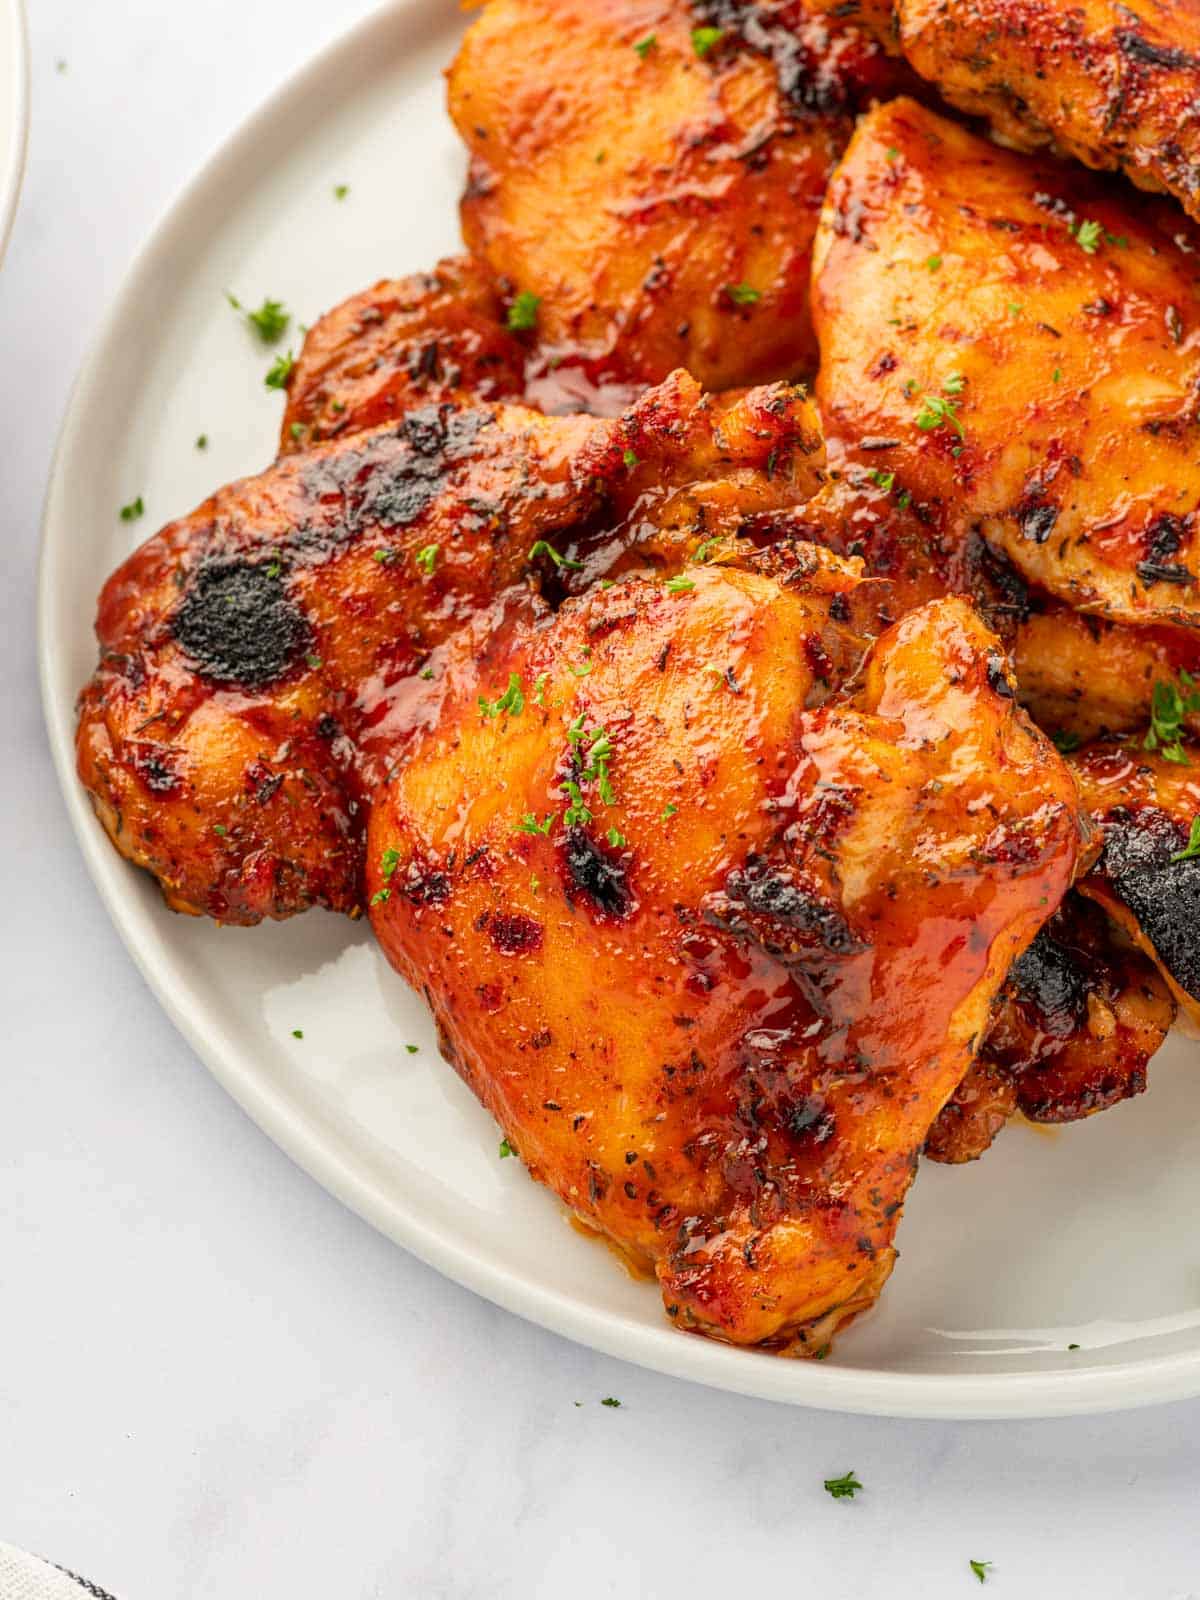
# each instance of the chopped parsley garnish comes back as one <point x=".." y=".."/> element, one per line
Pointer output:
<point x="579" y="672"/>
<point x="274" y="568"/>
<point x="954" y="383"/>
<point x="297" y="430"/>
<point x="679" y="585"/>
<point x="542" y="548"/>
<point x="512" y="700"/>
<point x="980" y="1569"/>
<point x="705" y="40"/>
<point x="1170" y="703"/>
<point x="668" y="812"/>
<point x="843" y="1488"/>
<point x="937" y="412"/>
<point x="202" y="441"/>
<point x="599" y="754"/>
<point x="383" y="556"/>
<point x="340" y="191"/>
<point x="281" y="371"/>
<point x="388" y="862"/>
<point x="426" y="673"/>
<point x="883" y="480"/>
<point x="1056" y="375"/>
<point x="1087" y="236"/>
<point x="426" y="558"/>
<point x="539" y="688"/>
<point x="270" y="321"/>
<point x="523" y="313"/>
<point x="576" y="813"/>
<point x="933" y="263"/>
<point x="380" y="896"/>
<point x="1192" y="848"/>
<point x="297" y="1033"/>
<point x="1066" y="740"/>
<point x="506" y="1150"/>
<point x="609" y="1401"/>
<point x="630" y="458"/>
<point x="743" y="294"/>
<point x="530" y="823"/>
<point x="904" y="500"/>
<point x="615" y="838"/>
<point x="412" y="1049"/>
<point x="313" y="660"/>
<point x="891" y="152"/>
<point x="643" y="48"/>
<point x="701" y="552"/>
<point x="133" y="510"/>
<point x="220" y="828"/>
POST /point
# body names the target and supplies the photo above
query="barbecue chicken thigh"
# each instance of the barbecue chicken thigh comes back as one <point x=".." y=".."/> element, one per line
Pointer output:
<point x="649" y="188"/>
<point x="711" y="916"/>
<point x="1114" y="87"/>
<point x="1072" y="1033"/>
<point x="263" y="659"/>
<point x="1018" y="352"/>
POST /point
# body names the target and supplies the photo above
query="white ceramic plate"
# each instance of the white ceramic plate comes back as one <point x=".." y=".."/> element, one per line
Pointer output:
<point x="1081" y="1237"/>
<point x="14" y="110"/>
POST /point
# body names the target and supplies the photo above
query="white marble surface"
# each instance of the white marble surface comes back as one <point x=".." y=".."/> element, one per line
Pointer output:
<point x="216" y="1382"/>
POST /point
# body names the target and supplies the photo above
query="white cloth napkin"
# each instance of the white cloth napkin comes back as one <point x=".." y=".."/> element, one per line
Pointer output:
<point x="25" y="1577"/>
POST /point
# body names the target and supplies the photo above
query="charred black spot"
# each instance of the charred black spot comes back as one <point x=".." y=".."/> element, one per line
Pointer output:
<point x="239" y="625"/>
<point x="1036" y="521"/>
<point x="1163" y="572"/>
<point x="1049" y="979"/>
<point x="599" y="875"/>
<point x="995" y="584"/>
<point x="514" y="935"/>
<point x="1164" y="536"/>
<point x="767" y="900"/>
<point x="1162" y="894"/>
<point x="1135" y="48"/>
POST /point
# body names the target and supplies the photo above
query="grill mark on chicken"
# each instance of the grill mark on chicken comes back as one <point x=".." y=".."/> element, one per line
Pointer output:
<point x="783" y="914"/>
<point x="238" y="624"/>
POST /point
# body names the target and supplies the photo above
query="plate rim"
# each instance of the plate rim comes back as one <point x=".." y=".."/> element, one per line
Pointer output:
<point x="13" y="172"/>
<point x="870" y="1391"/>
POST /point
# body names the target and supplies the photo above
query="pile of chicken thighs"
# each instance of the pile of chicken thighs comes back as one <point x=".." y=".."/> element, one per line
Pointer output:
<point x="734" y="631"/>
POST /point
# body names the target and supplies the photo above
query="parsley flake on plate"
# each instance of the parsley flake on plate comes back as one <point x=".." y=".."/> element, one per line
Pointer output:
<point x="843" y="1488"/>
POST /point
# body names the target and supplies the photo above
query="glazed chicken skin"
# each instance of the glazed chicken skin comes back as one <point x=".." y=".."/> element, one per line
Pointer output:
<point x="264" y="658"/>
<point x="1016" y="352"/>
<point x="656" y="190"/>
<point x="1114" y="87"/>
<point x="405" y="343"/>
<point x="713" y="929"/>
<point x="1073" y="1031"/>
